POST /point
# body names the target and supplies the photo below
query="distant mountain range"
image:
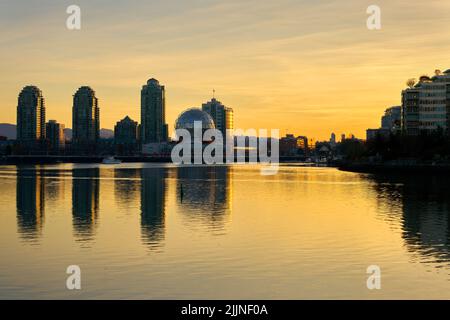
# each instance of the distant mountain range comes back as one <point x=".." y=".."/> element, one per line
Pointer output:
<point x="106" y="133"/>
<point x="9" y="130"/>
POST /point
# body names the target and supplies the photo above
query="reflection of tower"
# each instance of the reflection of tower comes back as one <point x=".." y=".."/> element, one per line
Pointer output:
<point x="85" y="198"/>
<point x="30" y="203"/>
<point x="153" y="190"/>
<point x="205" y="193"/>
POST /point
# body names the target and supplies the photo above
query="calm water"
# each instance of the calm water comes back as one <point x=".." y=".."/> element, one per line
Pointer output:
<point x="152" y="231"/>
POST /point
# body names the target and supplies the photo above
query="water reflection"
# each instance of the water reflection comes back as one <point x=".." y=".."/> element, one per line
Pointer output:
<point x="287" y="231"/>
<point x="153" y="200"/>
<point x="205" y="194"/>
<point x="127" y="187"/>
<point x="203" y="197"/>
<point x="30" y="203"/>
<point x="418" y="206"/>
<point x="54" y="185"/>
<point x="85" y="202"/>
<point x="423" y="203"/>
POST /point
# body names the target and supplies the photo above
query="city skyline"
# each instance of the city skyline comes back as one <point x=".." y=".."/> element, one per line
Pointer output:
<point x="423" y="106"/>
<point x="86" y="115"/>
<point x="257" y="57"/>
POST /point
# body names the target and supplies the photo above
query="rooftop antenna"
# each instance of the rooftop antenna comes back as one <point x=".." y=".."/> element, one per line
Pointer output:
<point x="214" y="93"/>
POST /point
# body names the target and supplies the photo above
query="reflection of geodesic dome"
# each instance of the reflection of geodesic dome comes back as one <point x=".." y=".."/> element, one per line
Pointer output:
<point x="186" y="119"/>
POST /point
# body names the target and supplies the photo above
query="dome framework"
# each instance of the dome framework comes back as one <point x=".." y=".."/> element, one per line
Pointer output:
<point x="187" y="119"/>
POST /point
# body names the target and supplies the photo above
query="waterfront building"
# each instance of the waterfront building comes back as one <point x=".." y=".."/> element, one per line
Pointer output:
<point x="31" y="117"/>
<point x="85" y="119"/>
<point x="410" y="111"/>
<point x="55" y="136"/>
<point x="153" y="113"/>
<point x="426" y="105"/>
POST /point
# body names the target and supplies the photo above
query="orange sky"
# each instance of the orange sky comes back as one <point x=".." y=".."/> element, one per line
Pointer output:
<point x="305" y="67"/>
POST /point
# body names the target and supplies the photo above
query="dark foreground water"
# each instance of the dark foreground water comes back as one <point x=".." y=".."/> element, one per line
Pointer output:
<point x="152" y="231"/>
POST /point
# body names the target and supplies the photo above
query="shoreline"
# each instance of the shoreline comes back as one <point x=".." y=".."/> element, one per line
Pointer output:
<point x="49" y="159"/>
<point x="396" y="168"/>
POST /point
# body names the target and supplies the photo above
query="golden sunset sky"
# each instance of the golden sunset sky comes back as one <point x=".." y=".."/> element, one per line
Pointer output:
<point x="304" y="67"/>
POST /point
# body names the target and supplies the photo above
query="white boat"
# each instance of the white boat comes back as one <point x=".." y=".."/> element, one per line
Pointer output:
<point x="111" y="160"/>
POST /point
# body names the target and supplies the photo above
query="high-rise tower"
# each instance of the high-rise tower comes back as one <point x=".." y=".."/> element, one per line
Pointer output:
<point x="31" y="116"/>
<point x="153" y="113"/>
<point x="222" y="115"/>
<point x="85" y="118"/>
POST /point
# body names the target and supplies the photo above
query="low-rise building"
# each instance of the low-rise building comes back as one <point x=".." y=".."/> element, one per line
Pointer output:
<point x="126" y="136"/>
<point x="55" y="136"/>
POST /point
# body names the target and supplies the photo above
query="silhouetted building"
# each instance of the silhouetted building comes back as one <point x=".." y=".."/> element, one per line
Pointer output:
<point x="126" y="136"/>
<point x="126" y="131"/>
<point x="372" y="134"/>
<point x="390" y="123"/>
<point x="153" y="113"/>
<point x="292" y="146"/>
<point x="222" y="116"/>
<point x="85" y="119"/>
<point x="333" y="139"/>
<point x="55" y="136"/>
<point x="31" y="117"/>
